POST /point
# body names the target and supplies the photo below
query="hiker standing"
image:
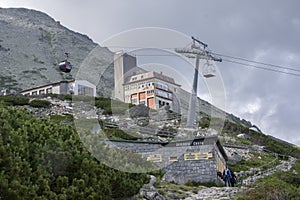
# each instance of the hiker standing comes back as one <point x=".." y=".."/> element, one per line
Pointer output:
<point x="232" y="178"/>
<point x="227" y="175"/>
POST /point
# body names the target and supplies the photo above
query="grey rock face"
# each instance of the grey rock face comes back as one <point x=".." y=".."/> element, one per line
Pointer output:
<point x="235" y="158"/>
<point x="149" y="192"/>
<point x="32" y="44"/>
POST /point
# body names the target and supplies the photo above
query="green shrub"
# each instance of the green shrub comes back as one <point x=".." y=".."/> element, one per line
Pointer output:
<point x="118" y="134"/>
<point x="62" y="118"/>
<point x="41" y="159"/>
<point x="38" y="103"/>
<point x="14" y="101"/>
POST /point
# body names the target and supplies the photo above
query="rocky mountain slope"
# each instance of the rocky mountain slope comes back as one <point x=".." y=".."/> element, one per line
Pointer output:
<point x="32" y="44"/>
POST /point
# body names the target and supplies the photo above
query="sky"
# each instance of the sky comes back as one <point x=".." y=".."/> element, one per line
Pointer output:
<point x="265" y="31"/>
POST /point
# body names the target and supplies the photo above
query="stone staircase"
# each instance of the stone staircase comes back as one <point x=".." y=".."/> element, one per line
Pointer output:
<point x="215" y="193"/>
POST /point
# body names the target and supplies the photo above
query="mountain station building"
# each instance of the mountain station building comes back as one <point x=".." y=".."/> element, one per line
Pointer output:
<point x="76" y="87"/>
<point x="152" y="89"/>
<point x="137" y="86"/>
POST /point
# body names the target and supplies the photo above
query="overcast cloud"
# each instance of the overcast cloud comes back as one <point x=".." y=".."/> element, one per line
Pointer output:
<point x="266" y="31"/>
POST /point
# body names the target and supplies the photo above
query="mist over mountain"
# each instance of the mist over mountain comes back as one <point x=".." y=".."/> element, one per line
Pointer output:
<point x="32" y="44"/>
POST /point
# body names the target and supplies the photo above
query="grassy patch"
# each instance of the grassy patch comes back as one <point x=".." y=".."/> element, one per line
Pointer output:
<point x="61" y="118"/>
<point x="281" y="185"/>
<point x="180" y="191"/>
<point x="254" y="162"/>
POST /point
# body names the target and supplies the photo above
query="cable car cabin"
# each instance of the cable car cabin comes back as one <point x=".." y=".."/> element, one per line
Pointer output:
<point x="65" y="66"/>
<point x="208" y="70"/>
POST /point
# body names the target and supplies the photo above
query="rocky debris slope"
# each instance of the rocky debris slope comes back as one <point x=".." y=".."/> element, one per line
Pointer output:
<point x="215" y="193"/>
<point x="149" y="192"/>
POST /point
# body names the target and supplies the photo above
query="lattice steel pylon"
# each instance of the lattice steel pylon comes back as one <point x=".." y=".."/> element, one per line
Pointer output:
<point x="196" y="50"/>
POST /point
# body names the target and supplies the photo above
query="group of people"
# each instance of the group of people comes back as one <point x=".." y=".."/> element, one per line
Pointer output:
<point x="229" y="177"/>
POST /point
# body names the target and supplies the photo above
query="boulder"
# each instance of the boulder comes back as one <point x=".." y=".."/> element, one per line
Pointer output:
<point x="234" y="158"/>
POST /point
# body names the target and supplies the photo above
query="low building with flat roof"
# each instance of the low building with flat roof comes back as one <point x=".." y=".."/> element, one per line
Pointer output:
<point x="76" y="87"/>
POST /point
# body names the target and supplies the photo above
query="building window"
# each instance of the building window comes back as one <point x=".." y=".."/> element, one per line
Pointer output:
<point x="134" y="101"/>
<point x="135" y="95"/>
<point x="162" y="86"/>
<point x="133" y="87"/>
<point x="34" y="93"/>
<point x="42" y="92"/>
<point x="143" y="102"/>
<point x="48" y="90"/>
<point x="150" y="92"/>
<point x="149" y="84"/>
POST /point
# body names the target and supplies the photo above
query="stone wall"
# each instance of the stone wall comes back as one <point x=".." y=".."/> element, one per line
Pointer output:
<point x="138" y="147"/>
<point x="182" y="161"/>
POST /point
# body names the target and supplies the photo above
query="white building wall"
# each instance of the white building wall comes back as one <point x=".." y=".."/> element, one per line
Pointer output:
<point x="56" y="89"/>
<point x="83" y="83"/>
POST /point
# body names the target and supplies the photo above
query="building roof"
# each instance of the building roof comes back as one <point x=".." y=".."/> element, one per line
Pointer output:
<point x="208" y="143"/>
<point x="49" y="84"/>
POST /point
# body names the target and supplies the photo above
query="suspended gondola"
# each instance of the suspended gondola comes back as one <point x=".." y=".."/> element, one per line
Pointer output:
<point x="65" y="66"/>
<point x="208" y="70"/>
